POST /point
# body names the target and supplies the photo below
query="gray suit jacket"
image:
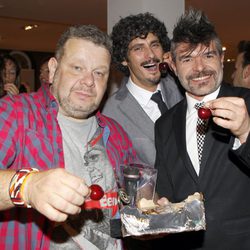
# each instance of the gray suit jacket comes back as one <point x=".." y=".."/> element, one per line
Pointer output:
<point x="124" y="108"/>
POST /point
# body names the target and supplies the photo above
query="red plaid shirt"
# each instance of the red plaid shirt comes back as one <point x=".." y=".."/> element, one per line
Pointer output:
<point x="30" y="136"/>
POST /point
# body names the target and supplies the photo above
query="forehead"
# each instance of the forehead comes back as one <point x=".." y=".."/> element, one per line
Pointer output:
<point x="9" y="64"/>
<point x="150" y="37"/>
<point x="78" y="45"/>
<point x="188" y="49"/>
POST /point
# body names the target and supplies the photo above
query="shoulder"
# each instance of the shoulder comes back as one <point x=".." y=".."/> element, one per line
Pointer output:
<point x="114" y="127"/>
<point x="179" y="109"/>
<point x="229" y="90"/>
<point x="112" y="103"/>
<point x="171" y="82"/>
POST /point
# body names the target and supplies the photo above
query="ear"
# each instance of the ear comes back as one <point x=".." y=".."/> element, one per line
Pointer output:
<point x="246" y="72"/>
<point x="172" y="64"/>
<point x="167" y="59"/>
<point x="52" y="64"/>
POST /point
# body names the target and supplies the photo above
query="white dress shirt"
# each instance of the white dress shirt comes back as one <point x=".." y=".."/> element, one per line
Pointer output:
<point x="191" y="121"/>
<point x="143" y="97"/>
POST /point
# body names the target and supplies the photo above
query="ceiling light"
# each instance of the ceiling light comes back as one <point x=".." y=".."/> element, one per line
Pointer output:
<point x="224" y="48"/>
<point x="30" y="27"/>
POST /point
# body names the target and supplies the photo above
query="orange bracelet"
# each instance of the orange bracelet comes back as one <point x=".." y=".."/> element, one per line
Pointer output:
<point x="17" y="184"/>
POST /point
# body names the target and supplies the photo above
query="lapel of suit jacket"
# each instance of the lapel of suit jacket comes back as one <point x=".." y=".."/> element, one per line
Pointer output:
<point x="214" y="134"/>
<point x="135" y="113"/>
<point x="180" y="135"/>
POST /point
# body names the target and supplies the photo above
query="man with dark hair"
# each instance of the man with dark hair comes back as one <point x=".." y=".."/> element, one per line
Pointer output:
<point x="241" y="75"/>
<point x="140" y="43"/>
<point x="54" y="146"/>
<point x="217" y="164"/>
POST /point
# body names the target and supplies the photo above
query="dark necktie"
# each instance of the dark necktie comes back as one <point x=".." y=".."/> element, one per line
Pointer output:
<point x="156" y="97"/>
<point x="200" y="132"/>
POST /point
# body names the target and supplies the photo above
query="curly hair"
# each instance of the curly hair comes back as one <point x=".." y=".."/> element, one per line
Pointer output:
<point x="194" y="28"/>
<point x="87" y="32"/>
<point x="131" y="27"/>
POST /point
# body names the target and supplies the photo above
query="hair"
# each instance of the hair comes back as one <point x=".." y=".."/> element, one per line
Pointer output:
<point x="44" y="60"/>
<point x="244" y="47"/>
<point x="134" y="26"/>
<point x="86" y="32"/>
<point x="4" y="59"/>
<point x="194" y="28"/>
<point x="8" y="57"/>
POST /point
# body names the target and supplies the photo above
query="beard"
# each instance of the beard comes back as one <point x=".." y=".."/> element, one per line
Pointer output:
<point x="74" y="110"/>
<point x="203" y="87"/>
<point x="69" y="107"/>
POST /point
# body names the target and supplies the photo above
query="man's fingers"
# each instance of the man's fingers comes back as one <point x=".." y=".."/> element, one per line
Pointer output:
<point x="52" y="213"/>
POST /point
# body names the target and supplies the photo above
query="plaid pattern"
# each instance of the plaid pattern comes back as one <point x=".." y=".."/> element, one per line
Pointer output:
<point x="31" y="137"/>
<point x="200" y="132"/>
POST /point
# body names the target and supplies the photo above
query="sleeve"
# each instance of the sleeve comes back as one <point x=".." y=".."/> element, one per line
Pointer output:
<point x="8" y="132"/>
<point x="243" y="152"/>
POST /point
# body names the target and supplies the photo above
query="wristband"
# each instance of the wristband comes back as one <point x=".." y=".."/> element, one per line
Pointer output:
<point x="17" y="185"/>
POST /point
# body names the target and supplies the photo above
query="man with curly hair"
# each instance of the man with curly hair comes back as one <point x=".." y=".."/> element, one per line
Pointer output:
<point x="221" y="173"/>
<point x="140" y="43"/>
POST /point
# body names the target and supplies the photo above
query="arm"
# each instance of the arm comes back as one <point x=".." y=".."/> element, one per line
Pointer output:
<point x="5" y="178"/>
<point x="54" y="193"/>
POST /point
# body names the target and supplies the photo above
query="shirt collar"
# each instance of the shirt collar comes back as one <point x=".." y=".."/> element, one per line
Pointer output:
<point x="46" y="98"/>
<point x="142" y="95"/>
<point x="191" y="101"/>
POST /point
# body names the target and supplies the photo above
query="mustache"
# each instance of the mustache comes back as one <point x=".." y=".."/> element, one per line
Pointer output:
<point x="153" y="60"/>
<point x="202" y="73"/>
<point x="82" y="88"/>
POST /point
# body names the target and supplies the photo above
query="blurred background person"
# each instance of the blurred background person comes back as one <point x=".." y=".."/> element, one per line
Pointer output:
<point x="44" y="71"/>
<point x="241" y="75"/>
<point x="9" y="74"/>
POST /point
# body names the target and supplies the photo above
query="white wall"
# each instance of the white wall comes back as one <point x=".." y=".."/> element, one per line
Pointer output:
<point x="167" y="11"/>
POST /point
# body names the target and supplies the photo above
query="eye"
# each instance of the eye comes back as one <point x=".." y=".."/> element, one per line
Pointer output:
<point x="137" y="48"/>
<point x="156" y="45"/>
<point x="99" y="74"/>
<point x="210" y="55"/>
<point x="94" y="157"/>
<point x="186" y="59"/>
<point x="77" y="68"/>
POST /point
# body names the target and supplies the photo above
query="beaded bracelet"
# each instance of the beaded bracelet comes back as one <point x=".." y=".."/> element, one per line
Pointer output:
<point x="17" y="185"/>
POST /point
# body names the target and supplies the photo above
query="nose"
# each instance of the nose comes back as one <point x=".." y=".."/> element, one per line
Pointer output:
<point x="150" y="52"/>
<point x="198" y="63"/>
<point x="88" y="79"/>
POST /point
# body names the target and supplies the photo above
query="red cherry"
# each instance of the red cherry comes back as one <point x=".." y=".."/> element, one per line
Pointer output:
<point x="163" y="67"/>
<point x="96" y="192"/>
<point x="204" y="113"/>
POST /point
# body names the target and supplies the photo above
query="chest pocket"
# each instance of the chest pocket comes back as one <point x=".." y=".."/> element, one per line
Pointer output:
<point x="37" y="150"/>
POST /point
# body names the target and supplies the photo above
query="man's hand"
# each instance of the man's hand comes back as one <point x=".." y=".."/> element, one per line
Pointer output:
<point x="55" y="193"/>
<point x="231" y="113"/>
<point x="11" y="88"/>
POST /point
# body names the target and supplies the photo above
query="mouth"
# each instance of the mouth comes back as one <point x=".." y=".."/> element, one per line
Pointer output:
<point x="201" y="78"/>
<point x="152" y="67"/>
<point x="82" y="94"/>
